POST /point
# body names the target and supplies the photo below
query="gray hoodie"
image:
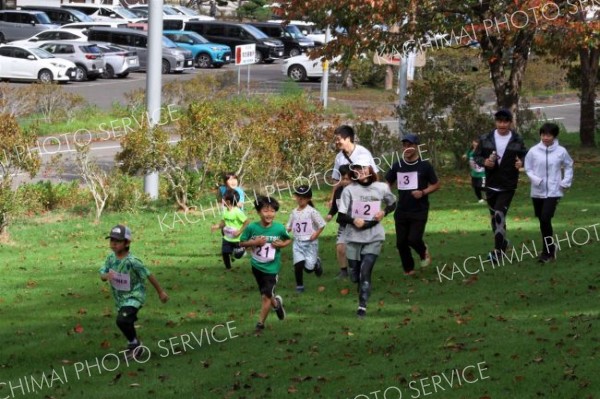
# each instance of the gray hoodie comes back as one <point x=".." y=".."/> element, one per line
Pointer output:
<point x="544" y="166"/>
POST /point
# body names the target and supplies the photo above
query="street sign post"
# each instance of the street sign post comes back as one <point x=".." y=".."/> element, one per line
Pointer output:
<point x="245" y="54"/>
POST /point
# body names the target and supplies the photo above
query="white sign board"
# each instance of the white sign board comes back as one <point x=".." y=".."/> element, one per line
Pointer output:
<point x="245" y="54"/>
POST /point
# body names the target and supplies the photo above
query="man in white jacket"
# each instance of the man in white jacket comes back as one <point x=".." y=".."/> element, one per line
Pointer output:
<point x="550" y="169"/>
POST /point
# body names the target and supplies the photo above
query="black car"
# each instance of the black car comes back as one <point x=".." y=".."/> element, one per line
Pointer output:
<point x="234" y="34"/>
<point x="294" y="42"/>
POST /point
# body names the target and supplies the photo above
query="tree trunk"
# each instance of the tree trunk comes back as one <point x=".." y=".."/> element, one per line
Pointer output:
<point x="589" y="59"/>
<point x="389" y="77"/>
<point x="507" y="90"/>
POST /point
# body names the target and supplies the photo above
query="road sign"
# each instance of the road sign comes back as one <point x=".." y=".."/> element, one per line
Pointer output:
<point x="245" y="54"/>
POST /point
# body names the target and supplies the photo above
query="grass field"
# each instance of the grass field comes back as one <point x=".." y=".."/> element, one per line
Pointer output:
<point x="522" y="330"/>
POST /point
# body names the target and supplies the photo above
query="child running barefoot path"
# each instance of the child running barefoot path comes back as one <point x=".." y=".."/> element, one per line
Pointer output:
<point x="266" y="238"/>
<point x="126" y="275"/>
<point x="307" y="224"/>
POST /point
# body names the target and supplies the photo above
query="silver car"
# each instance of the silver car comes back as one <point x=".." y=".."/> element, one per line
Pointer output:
<point x="19" y="25"/>
<point x="119" y="61"/>
<point x="87" y="57"/>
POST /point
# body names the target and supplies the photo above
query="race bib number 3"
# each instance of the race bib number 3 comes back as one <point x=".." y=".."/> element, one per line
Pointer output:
<point x="365" y="210"/>
<point x="263" y="254"/>
<point x="303" y="227"/>
<point x="407" y="181"/>
<point x="121" y="282"/>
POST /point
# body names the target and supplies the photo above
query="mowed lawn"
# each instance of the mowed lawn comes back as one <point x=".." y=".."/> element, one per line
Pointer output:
<point x="532" y="328"/>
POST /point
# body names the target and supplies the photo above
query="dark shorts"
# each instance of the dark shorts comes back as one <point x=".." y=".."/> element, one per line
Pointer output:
<point x="127" y="314"/>
<point x="228" y="247"/>
<point x="266" y="282"/>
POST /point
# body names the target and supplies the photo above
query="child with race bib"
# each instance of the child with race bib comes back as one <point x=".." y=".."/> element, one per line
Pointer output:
<point x="266" y="238"/>
<point x="233" y="223"/>
<point x="126" y="275"/>
<point x="306" y="224"/>
<point x="360" y="209"/>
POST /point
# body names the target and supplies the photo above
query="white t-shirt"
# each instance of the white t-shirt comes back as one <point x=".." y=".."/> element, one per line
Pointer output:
<point x="501" y="143"/>
<point x="340" y="160"/>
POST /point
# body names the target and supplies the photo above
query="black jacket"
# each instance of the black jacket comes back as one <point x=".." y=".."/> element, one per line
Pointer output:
<point x="504" y="175"/>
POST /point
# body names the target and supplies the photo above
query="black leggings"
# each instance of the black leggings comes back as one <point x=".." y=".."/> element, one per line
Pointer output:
<point x="544" y="209"/>
<point x="477" y="184"/>
<point x="499" y="202"/>
<point x="360" y="273"/>
<point x="125" y="321"/>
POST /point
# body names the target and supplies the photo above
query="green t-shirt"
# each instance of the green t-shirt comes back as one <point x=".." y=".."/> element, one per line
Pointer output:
<point x="129" y="288"/>
<point x="266" y="258"/>
<point x="476" y="170"/>
<point x="234" y="220"/>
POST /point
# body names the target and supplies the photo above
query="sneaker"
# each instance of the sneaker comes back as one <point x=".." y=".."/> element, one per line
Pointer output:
<point x="410" y="273"/>
<point x="300" y="289"/>
<point x="493" y="257"/>
<point x="427" y="260"/>
<point x="279" y="309"/>
<point x="135" y="351"/>
<point x="545" y="258"/>
<point x="361" y="312"/>
<point x="342" y="274"/>
<point x="481" y="201"/>
<point x="259" y="327"/>
<point x="318" y="268"/>
<point x="239" y="253"/>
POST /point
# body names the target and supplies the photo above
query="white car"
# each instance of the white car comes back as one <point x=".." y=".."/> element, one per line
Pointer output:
<point x="51" y="35"/>
<point x="20" y="63"/>
<point x="182" y="10"/>
<point x="301" y="68"/>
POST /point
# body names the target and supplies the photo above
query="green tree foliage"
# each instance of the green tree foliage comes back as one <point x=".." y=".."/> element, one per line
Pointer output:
<point x="443" y="109"/>
<point x="254" y="9"/>
<point x="15" y="157"/>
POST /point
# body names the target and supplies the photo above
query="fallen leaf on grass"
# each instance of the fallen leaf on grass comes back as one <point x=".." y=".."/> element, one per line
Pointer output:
<point x="344" y="291"/>
<point x="134" y="385"/>
<point x="105" y="344"/>
<point x="31" y="284"/>
<point x="321" y="288"/>
<point x="78" y="329"/>
<point x="259" y="375"/>
<point x="292" y="389"/>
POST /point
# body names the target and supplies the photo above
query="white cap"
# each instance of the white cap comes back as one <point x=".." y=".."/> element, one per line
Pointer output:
<point x="362" y="160"/>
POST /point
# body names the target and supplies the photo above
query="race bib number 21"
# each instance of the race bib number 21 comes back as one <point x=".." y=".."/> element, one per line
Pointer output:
<point x="263" y="254"/>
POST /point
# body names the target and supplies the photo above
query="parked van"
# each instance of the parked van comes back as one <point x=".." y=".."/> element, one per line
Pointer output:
<point x="174" y="59"/>
<point x="234" y="34"/>
<point x="294" y="42"/>
<point x="18" y="25"/>
<point x="60" y="16"/>
<point x="100" y="12"/>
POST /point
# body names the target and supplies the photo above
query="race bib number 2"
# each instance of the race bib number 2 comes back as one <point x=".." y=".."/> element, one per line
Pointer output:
<point x="263" y="254"/>
<point x="365" y="210"/>
<point x="407" y="181"/>
<point x="121" y="281"/>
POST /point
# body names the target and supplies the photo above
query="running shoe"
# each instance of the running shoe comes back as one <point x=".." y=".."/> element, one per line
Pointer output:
<point x="279" y="310"/>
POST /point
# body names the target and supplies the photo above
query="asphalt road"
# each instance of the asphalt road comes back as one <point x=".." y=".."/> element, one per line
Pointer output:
<point x="265" y="78"/>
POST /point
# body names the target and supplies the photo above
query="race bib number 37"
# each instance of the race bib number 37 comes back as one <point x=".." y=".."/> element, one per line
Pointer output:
<point x="263" y="254"/>
<point x="407" y="181"/>
<point x="302" y="227"/>
<point x="365" y="210"/>
<point x="121" y="282"/>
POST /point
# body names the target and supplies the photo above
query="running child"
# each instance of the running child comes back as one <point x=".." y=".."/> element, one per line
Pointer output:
<point x="233" y="223"/>
<point x="307" y="224"/>
<point x="266" y="238"/>
<point x="126" y="275"/>
<point x="550" y="169"/>
<point x="230" y="182"/>
<point x="340" y="245"/>
<point x="477" y="172"/>
<point x="360" y="208"/>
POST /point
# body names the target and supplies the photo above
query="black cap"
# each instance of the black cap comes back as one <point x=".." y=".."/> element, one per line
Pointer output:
<point x="411" y="138"/>
<point x="303" y="191"/>
<point x="503" y="115"/>
<point x="120" y="232"/>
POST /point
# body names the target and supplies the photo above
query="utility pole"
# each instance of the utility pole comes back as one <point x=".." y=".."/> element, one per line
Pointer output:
<point x="403" y="68"/>
<point x="153" y="83"/>
<point x="325" y="79"/>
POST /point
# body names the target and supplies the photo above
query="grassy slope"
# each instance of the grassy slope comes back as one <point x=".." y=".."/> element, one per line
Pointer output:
<point x="534" y="326"/>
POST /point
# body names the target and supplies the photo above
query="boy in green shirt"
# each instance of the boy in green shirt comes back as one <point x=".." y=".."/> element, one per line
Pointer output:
<point x="126" y="274"/>
<point x="233" y="223"/>
<point x="266" y="238"/>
